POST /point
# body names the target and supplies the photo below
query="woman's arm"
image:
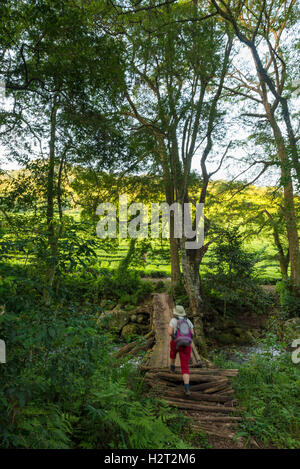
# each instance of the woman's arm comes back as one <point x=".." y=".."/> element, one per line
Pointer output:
<point x="170" y="330"/>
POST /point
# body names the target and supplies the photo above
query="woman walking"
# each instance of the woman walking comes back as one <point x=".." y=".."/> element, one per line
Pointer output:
<point x="181" y="331"/>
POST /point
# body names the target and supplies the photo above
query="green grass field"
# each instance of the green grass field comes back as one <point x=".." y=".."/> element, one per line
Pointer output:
<point x="267" y="269"/>
<point x="157" y="262"/>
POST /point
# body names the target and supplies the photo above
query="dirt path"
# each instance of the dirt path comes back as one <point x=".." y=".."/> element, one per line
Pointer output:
<point x="211" y="406"/>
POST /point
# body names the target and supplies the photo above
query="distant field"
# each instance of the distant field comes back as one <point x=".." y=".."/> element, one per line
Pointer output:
<point x="267" y="269"/>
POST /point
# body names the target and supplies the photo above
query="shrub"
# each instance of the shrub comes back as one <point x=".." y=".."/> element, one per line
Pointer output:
<point x="117" y="417"/>
<point x="129" y="287"/>
<point x="268" y="390"/>
<point x="231" y="284"/>
<point x="62" y="387"/>
<point x="289" y="303"/>
<point x="179" y="294"/>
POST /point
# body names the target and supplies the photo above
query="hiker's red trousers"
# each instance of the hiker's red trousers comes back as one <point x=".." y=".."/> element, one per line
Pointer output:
<point x="184" y="355"/>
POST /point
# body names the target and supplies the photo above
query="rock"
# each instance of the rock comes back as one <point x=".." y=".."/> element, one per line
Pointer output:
<point x="131" y="330"/>
<point x="293" y="322"/>
<point x="237" y="331"/>
<point x="133" y="318"/>
<point x="114" y="319"/>
<point x="143" y="310"/>
<point x="141" y="319"/>
<point x="245" y="338"/>
<point x="108" y="304"/>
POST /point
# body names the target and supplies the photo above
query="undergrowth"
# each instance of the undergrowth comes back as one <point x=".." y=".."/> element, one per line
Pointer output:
<point x="62" y="387"/>
<point x="268" y="390"/>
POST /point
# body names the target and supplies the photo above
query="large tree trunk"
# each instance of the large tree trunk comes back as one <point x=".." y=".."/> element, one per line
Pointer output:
<point x="175" y="264"/>
<point x="292" y="231"/>
<point x="284" y="259"/>
<point x="169" y="193"/>
<point x="52" y="239"/>
<point x="190" y="269"/>
<point x="289" y="206"/>
<point x="291" y="137"/>
<point x="284" y="264"/>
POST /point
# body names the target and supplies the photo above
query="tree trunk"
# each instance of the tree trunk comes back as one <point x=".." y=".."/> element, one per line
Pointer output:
<point x="291" y="224"/>
<point x="59" y="189"/>
<point x="52" y="240"/>
<point x="169" y="193"/>
<point x="291" y="137"/>
<point x="289" y="206"/>
<point x="175" y="264"/>
<point x="190" y="269"/>
<point x="284" y="263"/>
<point x="284" y="259"/>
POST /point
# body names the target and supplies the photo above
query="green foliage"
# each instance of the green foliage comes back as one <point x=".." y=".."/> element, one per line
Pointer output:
<point x="230" y="283"/>
<point x="61" y="386"/>
<point x="114" y="411"/>
<point x="155" y="274"/>
<point x="198" y="438"/>
<point x="160" y="286"/>
<point x="125" y="287"/>
<point x="290" y="304"/>
<point x="179" y="294"/>
<point x="268" y="389"/>
<point x="40" y="428"/>
<point x="112" y="99"/>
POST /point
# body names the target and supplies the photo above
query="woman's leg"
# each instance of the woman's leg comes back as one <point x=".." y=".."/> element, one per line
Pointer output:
<point x="186" y="378"/>
<point x="173" y="352"/>
<point x="185" y="355"/>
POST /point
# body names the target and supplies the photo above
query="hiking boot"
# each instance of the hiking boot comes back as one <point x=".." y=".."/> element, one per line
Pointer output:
<point x="172" y="368"/>
<point x="187" y="392"/>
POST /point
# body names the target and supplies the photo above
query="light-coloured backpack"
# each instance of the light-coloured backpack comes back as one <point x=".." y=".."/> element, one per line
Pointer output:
<point x="183" y="336"/>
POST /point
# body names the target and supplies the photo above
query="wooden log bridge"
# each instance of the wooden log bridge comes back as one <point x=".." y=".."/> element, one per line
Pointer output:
<point x="211" y="404"/>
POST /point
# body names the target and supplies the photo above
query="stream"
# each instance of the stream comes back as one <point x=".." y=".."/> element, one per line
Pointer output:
<point x="237" y="354"/>
<point x="242" y="354"/>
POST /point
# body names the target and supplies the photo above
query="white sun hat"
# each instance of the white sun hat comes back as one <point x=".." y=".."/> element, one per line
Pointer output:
<point x="179" y="311"/>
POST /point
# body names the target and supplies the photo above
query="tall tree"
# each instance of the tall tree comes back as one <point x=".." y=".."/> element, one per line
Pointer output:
<point x="54" y="72"/>
<point x="177" y="59"/>
<point x="261" y="26"/>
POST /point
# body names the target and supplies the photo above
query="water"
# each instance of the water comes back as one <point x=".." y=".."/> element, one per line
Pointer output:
<point x="136" y="361"/>
<point x="242" y="354"/>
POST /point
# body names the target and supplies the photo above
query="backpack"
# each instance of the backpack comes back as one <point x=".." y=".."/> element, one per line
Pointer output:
<point x="183" y="336"/>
